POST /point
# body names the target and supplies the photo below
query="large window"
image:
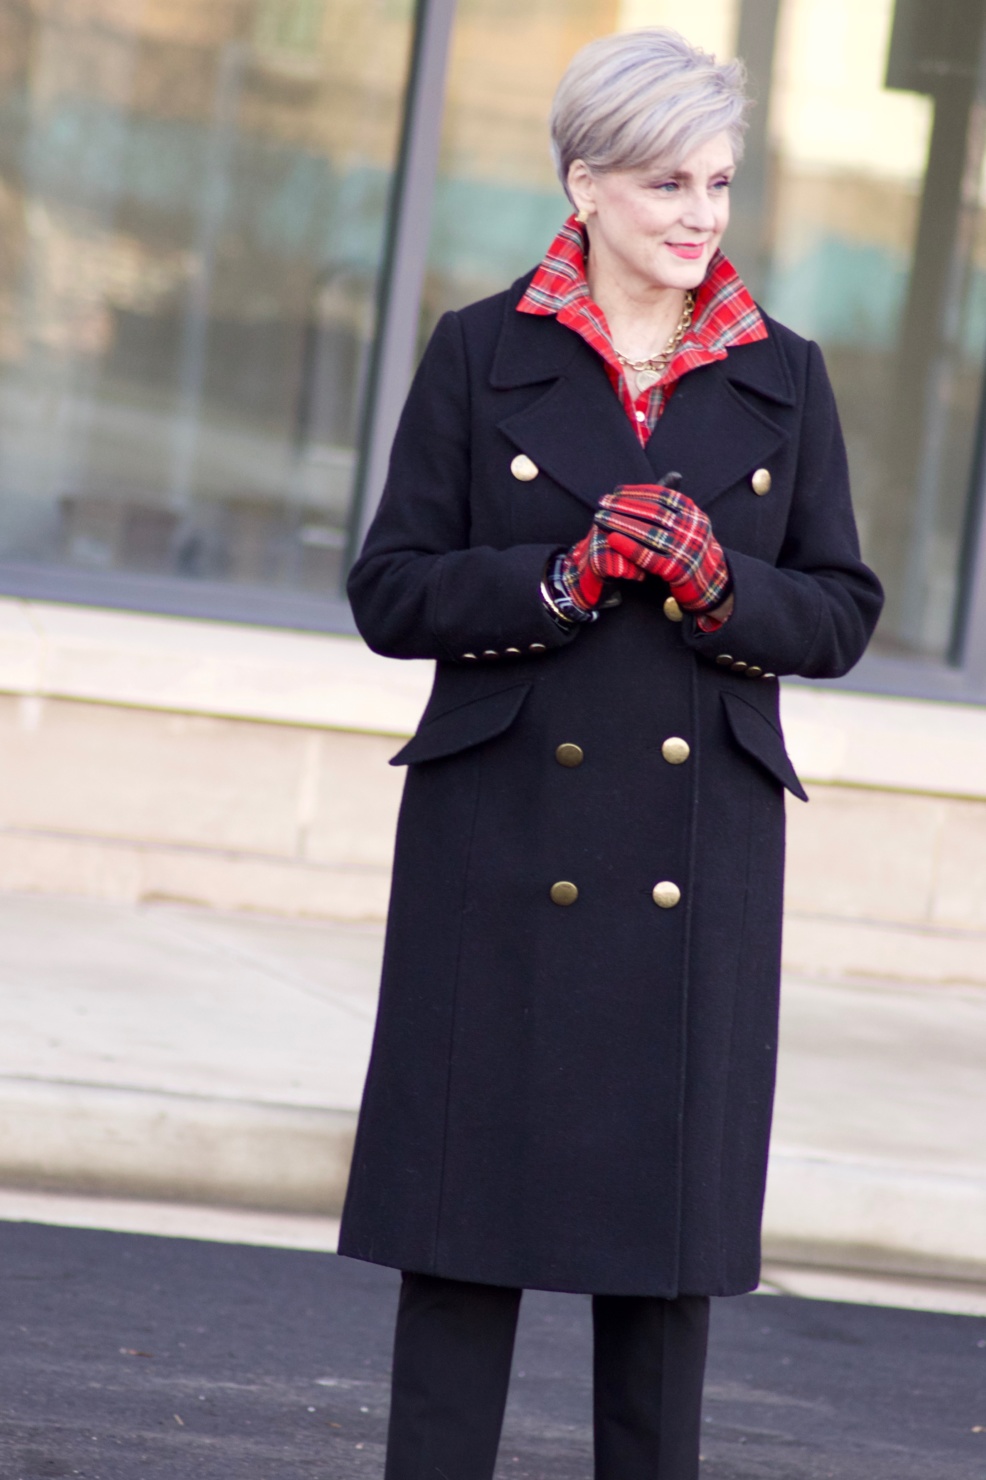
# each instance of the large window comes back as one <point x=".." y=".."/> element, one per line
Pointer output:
<point x="878" y="250"/>
<point x="858" y="220"/>
<point x="222" y="233"/>
<point x="193" y="202"/>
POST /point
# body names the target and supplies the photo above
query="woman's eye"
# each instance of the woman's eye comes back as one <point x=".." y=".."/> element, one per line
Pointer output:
<point x="721" y="185"/>
<point x="667" y="186"/>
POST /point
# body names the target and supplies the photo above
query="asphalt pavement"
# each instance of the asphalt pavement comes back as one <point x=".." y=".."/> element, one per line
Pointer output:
<point x="132" y="1357"/>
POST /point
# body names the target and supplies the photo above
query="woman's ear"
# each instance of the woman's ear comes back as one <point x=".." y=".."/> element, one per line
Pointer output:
<point x="581" y="188"/>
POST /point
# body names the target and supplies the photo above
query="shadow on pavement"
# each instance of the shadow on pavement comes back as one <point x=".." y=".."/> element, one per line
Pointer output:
<point x="127" y="1357"/>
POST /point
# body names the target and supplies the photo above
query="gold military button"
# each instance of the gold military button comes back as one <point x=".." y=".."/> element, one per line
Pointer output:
<point x="753" y="671"/>
<point x="491" y="653"/>
<point x="514" y="652"/>
<point x="739" y="666"/>
<point x="569" y="755"/>
<point x="523" y="469"/>
<point x="471" y="656"/>
<point x="537" y="647"/>
<point x="666" y="895"/>
<point x="564" y="893"/>
<point x="761" y="481"/>
<point x="770" y="675"/>
<point x="673" y="611"/>
<point x="724" y="660"/>
<point x="675" y="750"/>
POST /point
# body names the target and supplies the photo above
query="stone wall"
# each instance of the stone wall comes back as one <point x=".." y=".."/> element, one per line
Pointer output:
<point x="147" y="758"/>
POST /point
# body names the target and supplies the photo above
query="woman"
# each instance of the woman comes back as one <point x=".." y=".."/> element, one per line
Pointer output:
<point x="618" y="509"/>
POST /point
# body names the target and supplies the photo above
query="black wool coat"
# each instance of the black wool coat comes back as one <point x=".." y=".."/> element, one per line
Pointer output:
<point x="579" y="1097"/>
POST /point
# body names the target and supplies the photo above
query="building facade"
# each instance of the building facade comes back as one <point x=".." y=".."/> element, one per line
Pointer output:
<point x="228" y="227"/>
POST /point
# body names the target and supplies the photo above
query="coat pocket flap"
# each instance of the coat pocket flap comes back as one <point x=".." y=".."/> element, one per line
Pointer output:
<point x="760" y="739"/>
<point x="463" y="727"/>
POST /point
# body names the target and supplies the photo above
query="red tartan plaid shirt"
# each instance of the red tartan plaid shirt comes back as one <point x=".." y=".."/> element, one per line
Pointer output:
<point x="725" y="316"/>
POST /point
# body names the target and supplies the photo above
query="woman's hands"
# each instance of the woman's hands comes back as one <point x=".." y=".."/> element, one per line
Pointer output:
<point x="663" y="533"/>
<point x="642" y="529"/>
<point x="583" y="572"/>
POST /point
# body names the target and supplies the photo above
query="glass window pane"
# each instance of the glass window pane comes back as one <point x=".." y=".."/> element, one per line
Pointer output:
<point x="497" y="201"/>
<point x="193" y="198"/>
<point x="878" y="250"/>
<point x="858" y="219"/>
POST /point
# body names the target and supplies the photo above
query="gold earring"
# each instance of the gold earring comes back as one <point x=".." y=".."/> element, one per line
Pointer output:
<point x="583" y="215"/>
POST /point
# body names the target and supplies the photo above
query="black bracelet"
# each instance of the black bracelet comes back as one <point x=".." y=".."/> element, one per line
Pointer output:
<point x="562" y="609"/>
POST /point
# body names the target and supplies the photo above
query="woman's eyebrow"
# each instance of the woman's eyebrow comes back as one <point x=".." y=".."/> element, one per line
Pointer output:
<point x="725" y="169"/>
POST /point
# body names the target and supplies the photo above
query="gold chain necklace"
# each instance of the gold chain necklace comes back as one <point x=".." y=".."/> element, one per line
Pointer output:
<point x="648" y="372"/>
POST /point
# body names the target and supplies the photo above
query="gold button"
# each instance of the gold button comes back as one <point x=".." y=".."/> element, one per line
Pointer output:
<point x="666" y="895"/>
<point x="491" y="653"/>
<point x="739" y="666"/>
<point x="514" y="652"/>
<point x="523" y="468"/>
<point x="724" y="660"/>
<point x="569" y="755"/>
<point x="675" y="750"/>
<point x="471" y="656"/>
<point x="753" y="671"/>
<point x="537" y="647"/>
<point x="770" y="675"/>
<point x="761" y="481"/>
<point x="673" y="611"/>
<point x="564" y="893"/>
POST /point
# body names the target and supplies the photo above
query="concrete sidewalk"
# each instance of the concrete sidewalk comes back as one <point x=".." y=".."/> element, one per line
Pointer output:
<point x="174" y="1054"/>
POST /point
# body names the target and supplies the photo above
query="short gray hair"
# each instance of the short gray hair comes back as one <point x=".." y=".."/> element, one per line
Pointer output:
<point x="643" y="98"/>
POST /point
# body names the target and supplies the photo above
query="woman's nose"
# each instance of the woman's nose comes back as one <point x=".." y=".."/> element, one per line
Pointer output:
<point x="699" y="211"/>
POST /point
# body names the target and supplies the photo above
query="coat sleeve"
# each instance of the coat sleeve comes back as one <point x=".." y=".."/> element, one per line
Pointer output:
<point x="815" y="610"/>
<point x="420" y="589"/>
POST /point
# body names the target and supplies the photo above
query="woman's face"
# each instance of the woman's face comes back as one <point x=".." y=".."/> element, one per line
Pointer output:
<point x="659" y="229"/>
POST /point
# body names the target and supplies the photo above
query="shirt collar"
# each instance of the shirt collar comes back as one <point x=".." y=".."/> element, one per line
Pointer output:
<point x="725" y="313"/>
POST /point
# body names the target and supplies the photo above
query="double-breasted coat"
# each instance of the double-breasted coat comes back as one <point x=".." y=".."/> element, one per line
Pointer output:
<point x="578" y="1097"/>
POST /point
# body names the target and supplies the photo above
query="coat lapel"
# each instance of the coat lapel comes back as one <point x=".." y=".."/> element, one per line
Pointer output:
<point x="717" y="427"/>
<point x="714" y="432"/>
<point x="576" y="432"/>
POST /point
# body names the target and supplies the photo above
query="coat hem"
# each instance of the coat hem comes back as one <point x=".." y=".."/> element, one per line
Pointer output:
<point x="558" y="1284"/>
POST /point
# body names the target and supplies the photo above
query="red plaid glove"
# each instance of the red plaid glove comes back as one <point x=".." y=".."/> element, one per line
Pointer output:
<point x="587" y="567"/>
<point x="665" y="534"/>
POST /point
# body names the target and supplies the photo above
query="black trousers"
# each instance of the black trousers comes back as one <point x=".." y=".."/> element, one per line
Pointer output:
<point x="452" y="1356"/>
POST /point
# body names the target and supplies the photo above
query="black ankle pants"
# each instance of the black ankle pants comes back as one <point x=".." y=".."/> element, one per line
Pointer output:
<point x="452" y="1356"/>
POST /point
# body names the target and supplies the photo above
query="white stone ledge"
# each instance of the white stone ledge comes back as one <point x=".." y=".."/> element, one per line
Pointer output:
<point x="915" y="745"/>
<point x="870" y="1215"/>
<point x="199" y="667"/>
<point x="314" y="679"/>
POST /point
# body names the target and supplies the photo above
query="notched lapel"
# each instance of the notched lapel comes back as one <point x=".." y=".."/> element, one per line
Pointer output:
<point x="714" y="432"/>
<point x="531" y="348"/>
<point x="717" y="427"/>
<point x="577" y="431"/>
<point x="578" y="434"/>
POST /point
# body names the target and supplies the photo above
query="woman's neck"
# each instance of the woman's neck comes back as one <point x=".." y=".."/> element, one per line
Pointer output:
<point x="641" y="317"/>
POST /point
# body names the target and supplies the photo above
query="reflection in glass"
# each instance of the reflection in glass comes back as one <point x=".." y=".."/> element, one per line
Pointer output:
<point x="878" y="252"/>
<point x="192" y="211"/>
<point x="858" y="219"/>
<point x="498" y="202"/>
